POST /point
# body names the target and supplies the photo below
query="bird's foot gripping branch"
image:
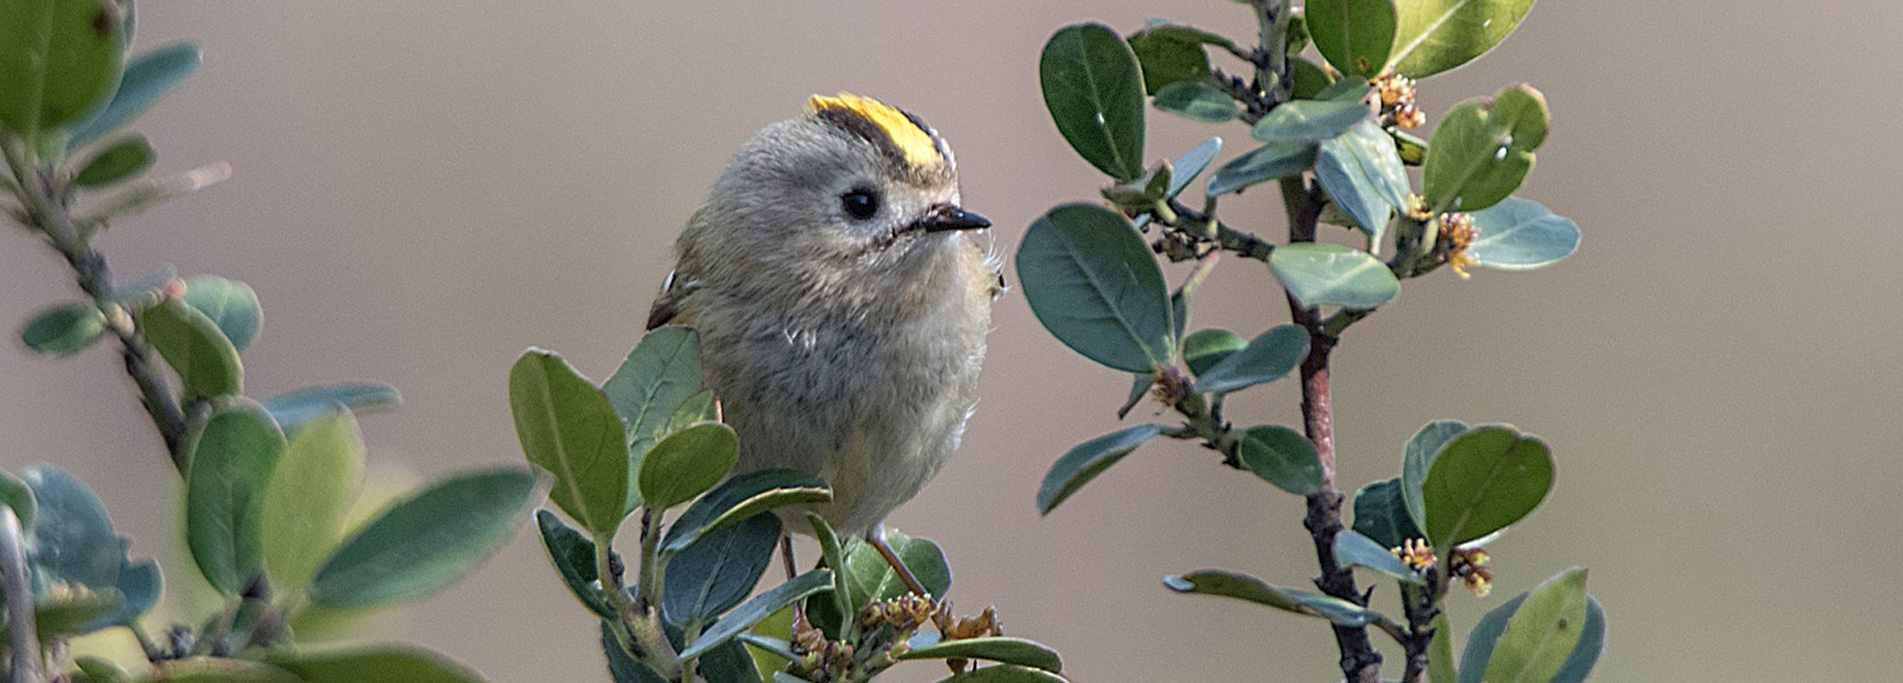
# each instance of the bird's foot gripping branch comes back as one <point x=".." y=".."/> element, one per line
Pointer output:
<point x="1332" y="126"/>
<point x="649" y="441"/>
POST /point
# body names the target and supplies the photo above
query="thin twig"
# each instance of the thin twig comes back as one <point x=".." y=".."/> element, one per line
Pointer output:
<point x="22" y="638"/>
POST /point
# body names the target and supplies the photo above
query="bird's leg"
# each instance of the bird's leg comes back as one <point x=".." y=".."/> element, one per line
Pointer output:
<point x="877" y="538"/>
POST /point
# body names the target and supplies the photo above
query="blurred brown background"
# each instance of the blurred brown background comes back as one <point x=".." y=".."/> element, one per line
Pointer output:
<point x="424" y="189"/>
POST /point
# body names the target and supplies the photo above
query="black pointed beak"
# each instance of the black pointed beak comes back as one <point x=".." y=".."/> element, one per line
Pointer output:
<point x="947" y="217"/>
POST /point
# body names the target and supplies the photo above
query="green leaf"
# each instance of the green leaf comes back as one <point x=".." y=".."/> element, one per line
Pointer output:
<point x="1087" y="460"/>
<point x="1267" y="358"/>
<point x="1543" y="632"/>
<point x="206" y="362"/>
<point x="1331" y="274"/>
<point x="1094" y="284"/>
<point x="1416" y="460"/>
<point x="1309" y="79"/>
<point x="1482" y="481"/>
<point x="1004" y="673"/>
<point x="652" y="384"/>
<point x="69" y="614"/>
<point x="100" y="670"/>
<point x="1348" y="89"/>
<point x="229" y="303"/>
<point x="1204" y="350"/>
<point x="1198" y="101"/>
<point x="728" y="663"/>
<point x="740" y="498"/>
<point x="119" y="161"/>
<point x="623" y="668"/>
<point x="1519" y="234"/>
<point x="1411" y="149"/>
<point x="701" y="407"/>
<point x="873" y="579"/>
<point x="426" y="542"/>
<point x="718" y="571"/>
<point x="1592" y="641"/>
<point x="1483" y="149"/>
<point x="1244" y="587"/>
<point x="72" y="539"/>
<point x="141" y="584"/>
<point x="997" y="649"/>
<point x="218" y="670"/>
<point x="1309" y="121"/>
<point x="308" y="495"/>
<point x="1191" y="164"/>
<point x="760" y="607"/>
<point x="1363" y="174"/>
<point x="1260" y="165"/>
<point x="574" y="558"/>
<point x="148" y="79"/>
<point x="60" y="60"/>
<point x="1139" y="387"/>
<point x="298" y="406"/>
<point x="567" y="427"/>
<point x="842" y="601"/>
<point x="1170" y="54"/>
<point x="1093" y="87"/>
<point x="393" y="663"/>
<point x="1440" y="652"/>
<point x="1433" y="36"/>
<point x="687" y="463"/>
<point x="1480" y="643"/>
<point x="1354" y="549"/>
<point x="1381" y="514"/>
<point x="15" y="493"/>
<point x="64" y="330"/>
<point x="231" y="458"/>
<point x="1283" y="457"/>
<point x="1354" y="35"/>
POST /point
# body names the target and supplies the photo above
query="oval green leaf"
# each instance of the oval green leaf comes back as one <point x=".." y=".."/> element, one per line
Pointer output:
<point x="574" y="558"/>
<point x="64" y="330"/>
<point x="1094" y="284"/>
<point x="742" y="497"/>
<point x="1381" y="514"/>
<point x="1240" y="586"/>
<point x="1087" y="460"/>
<point x="567" y="427"/>
<point x="232" y="305"/>
<point x="1354" y="549"/>
<point x="653" y="383"/>
<point x="60" y="59"/>
<point x="308" y="497"/>
<point x="1171" y="53"/>
<point x="231" y="459"/>
<point x="1363" y="174"/>
<point x="117" y="162"/>
<point x="1331" y="274"/>
<point x="1483" y="149"/>
<point x="89" y="553"/>
<point x="394" y="663"/>
<point x="717" y="572"/>
<point x="1482" y="481"/>
<point x="206" y="362"/>
<point x="1309" y="121"/>
<point x="1486" y="633"/>
<point x="15" y="493"/>
<point x="1093" y="87"/>
<point x="1433" y="36"/>
<point x="1418" y="457"/>
<point x="687" y="463"/>
<point x="1543" y="632"/>
<point x="1283" y="457"/>
<point x="297" y="406"/>
<point x="1202" y="351"/>
<point x="1354" y="35"/>
<point x="218" y="670"/>
<point x="1191" y="164"/>
<point x="148" y="79"/>
<point x="997" y="649"/>
<point x="760" y="607"/>
<point x="1197" y="101"/>
<point x="1260" y="165"/>
<point x="426" y="542"/>
<point x="1520" y="234"/>
<point x="1268" y="357"/>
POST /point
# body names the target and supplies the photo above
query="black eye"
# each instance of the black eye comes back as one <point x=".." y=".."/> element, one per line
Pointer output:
<point x="860" y="203"/>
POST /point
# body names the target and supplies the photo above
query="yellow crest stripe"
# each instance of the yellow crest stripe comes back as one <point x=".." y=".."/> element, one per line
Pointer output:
<point x="913" y="142"/>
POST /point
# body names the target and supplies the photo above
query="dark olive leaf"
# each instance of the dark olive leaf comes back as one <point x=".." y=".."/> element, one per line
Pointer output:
<point x="623" y="668"/>
<point x="687" y="463"/>
<point x="760" y="607"/>
<point x="395" y="663"/>
<point x="1139" y="387"/>
<point x="1310" y="79"/>
<point x="728" y="663"/>
<point x="1087" y="460"/>
<point x="298" y="406"/>
<point x="869" y="578"/>
<point x="231" y="458"/>
<point x="1168" y="55"/>
<point x="741" y="497"/>
<point x="1520" y="234"/>
<point x="64" y="329"/>
<point x="1354" y="549"/>
<point x="1093" y="87"/>
<point x="1432" y="36"/>
<point x="1331" y="274"/>
<point x="1482" y="481"/>
<point x="842" y="602"/>
<point x="1244" y="587"/>
<point x="652" y="384"/>
<point x="229" y="303"/>
<point x="1418" y="457"/>
<point x="1364" y="176"/>
<point x="218" y="670"/>
<point x="1268" y="357"/>
<point x="1265" y="163"/>
<point x="148" y="78"/>
<point x="1004" y="673"/>
<point x="1543" y="631"/>
<point x="206" y="362"/>
<point x="1381" y="514"/>
<point x="1411" y="148"/>
<point x="1349" y="88"/>
<point x="72" y="538"/>
<point x="1202" y="351"/>
<point x="1440" y="652"/>
<point x="568" y="427"/>
<point x="716" y="572"/>
<point x="16" y="494"/>
<point x="1095" y="285"/>
<point x="1283" y="457"/>
<point x="60" y="60"/>
<point x="308" y="496"/>
<point x="1309" y="121"/>
<point x="426" y="542"/>
<point x="1483" y="150"/>
<point x="1354" y="35"/>
<point x="574" y="558"/>
<point x="119" y="161"/>
<point x="997" y="649"/>
<point x="1197" y="101"/>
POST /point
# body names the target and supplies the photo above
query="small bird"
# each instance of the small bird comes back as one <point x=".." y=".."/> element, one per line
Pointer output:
<point x="841" y="307"/>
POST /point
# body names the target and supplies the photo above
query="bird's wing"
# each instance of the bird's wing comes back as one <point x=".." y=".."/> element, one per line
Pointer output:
<point x="675" y="304"/>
